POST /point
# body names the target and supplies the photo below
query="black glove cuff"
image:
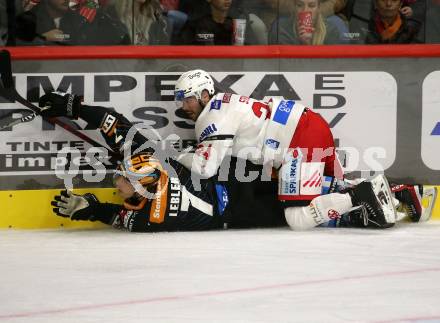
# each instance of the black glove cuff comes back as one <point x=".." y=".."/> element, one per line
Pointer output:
<point x="73" y="106"/>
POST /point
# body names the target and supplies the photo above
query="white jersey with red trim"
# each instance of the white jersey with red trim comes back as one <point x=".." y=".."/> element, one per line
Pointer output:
<point x="252" y="129"/>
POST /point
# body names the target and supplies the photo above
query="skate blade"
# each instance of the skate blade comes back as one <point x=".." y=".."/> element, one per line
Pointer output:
<point x="429" y="197"/>
<point x="383" y="193"/>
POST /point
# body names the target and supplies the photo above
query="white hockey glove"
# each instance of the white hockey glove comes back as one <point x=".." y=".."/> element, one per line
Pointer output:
<point x="75" y="207"/>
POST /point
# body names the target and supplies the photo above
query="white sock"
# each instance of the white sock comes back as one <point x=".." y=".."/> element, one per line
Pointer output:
<point x="331" y="206"/>
<point x="321" y="210"/>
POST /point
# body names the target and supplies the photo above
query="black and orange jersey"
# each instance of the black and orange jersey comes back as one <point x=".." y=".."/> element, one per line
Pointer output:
<point x="181" y="201"/>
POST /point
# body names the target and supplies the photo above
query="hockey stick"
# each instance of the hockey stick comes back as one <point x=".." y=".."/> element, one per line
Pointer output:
<point x="9" y="121"/>
<point x="9" y="92"/>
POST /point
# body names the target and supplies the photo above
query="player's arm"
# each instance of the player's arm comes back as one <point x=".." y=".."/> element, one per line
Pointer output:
<point x="84" y="207"/>
<point x="216" y="137"/>
<point x="208" y="155"/>
<point x="88" y="208"/>
<point x="113" y="126"/>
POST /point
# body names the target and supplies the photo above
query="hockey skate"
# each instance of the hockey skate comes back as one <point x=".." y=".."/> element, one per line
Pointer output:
<point x="411" y="199"/>
<point x="375" y="205"/>
<point x="383" y="192"/>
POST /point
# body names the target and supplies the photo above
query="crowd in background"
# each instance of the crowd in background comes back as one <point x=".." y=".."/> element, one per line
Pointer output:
<point x="218" y="22"/>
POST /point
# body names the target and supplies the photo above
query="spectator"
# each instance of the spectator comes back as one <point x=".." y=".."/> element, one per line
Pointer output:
<point x="331" y="10"/>
<point x="176" y="18"/>
<point x="389" y="26"/>
<point x="257" y="11"/>
<point x="219" y="27"/>
<point x="254" y="10"/>
<point x="99" y="25"/>
<point x="3" y="23"/>
<point x="29" y="4"/>
<point x="304" y="26"/>
<point x="49" y="22"/>
<point x="144" y="20"/>
<point x="414" y="11"/>
<point x="53" y="22"/>
<point x="194" y="8"/>
<point x="433" y="22"/>
<point x="274" y="9"/>
<point x="9" y="9"/>
<point x="170" y="4"/>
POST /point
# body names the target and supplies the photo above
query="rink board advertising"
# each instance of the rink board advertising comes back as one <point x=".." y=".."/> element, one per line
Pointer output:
<point x="384" y="116"/>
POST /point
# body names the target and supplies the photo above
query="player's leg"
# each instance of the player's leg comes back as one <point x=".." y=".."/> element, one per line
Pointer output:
<point x="365" y="205"/>
<point x="321" y="209"/>
<point x="410" y="201"/>
<point x="301" y="176"/>
<point x="374" y="198"/>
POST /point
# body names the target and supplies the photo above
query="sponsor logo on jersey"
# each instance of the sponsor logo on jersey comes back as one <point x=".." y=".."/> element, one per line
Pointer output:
<point x="222" y="197"/>
<point x="209" y="130"/>
<point x="290" y="174"/>
<point x="282" y="111"/>
<point x="272" y="143"/>
<point x="205" y="36"/>
<point x="314" y="181"/>
<point x="227" y="97"/>
<point x="333" y="214"/>
<point x="108" y="123"/>
<point x="160" y="201"/>
<point x="215" y="105"/>
<point x="293" y="189"/>
<point x="436" y="130"/>
<point x="244" y="99"/>
<point x="311" y="178"/>
<point x="316" y="214"/>
<point x="204" y="151"/>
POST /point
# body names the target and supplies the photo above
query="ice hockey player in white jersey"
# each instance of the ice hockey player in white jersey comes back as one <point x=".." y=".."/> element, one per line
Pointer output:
<point x="289" y="137"/>
<point x="173" y="203"/>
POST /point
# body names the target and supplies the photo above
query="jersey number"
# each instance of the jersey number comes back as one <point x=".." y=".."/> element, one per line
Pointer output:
<point x="259" y="107"/>
<point x="196" y="202"/>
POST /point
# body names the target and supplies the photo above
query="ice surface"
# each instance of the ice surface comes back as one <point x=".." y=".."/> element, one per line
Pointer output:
<point x="265" y="275"/>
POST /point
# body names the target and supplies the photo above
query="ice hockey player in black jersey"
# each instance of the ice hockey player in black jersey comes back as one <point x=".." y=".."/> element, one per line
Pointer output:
<point x="168" y="203"/>
<point x="159" y="195"/>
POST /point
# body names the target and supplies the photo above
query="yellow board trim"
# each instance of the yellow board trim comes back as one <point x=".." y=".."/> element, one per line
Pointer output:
<point x="31" y="209"/>
<point x="436" y="210"/>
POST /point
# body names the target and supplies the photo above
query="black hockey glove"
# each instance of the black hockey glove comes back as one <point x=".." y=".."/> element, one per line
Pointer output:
<point x="75" y="207"/>
<point x="59" y="104"/>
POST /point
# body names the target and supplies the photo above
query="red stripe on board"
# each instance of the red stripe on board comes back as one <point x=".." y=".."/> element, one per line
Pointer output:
<point x="272" y="51"/>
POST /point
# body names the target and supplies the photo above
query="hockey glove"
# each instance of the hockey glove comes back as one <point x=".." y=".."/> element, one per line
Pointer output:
<point x="60" y="104"/>
<point x="75" y="207"/>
